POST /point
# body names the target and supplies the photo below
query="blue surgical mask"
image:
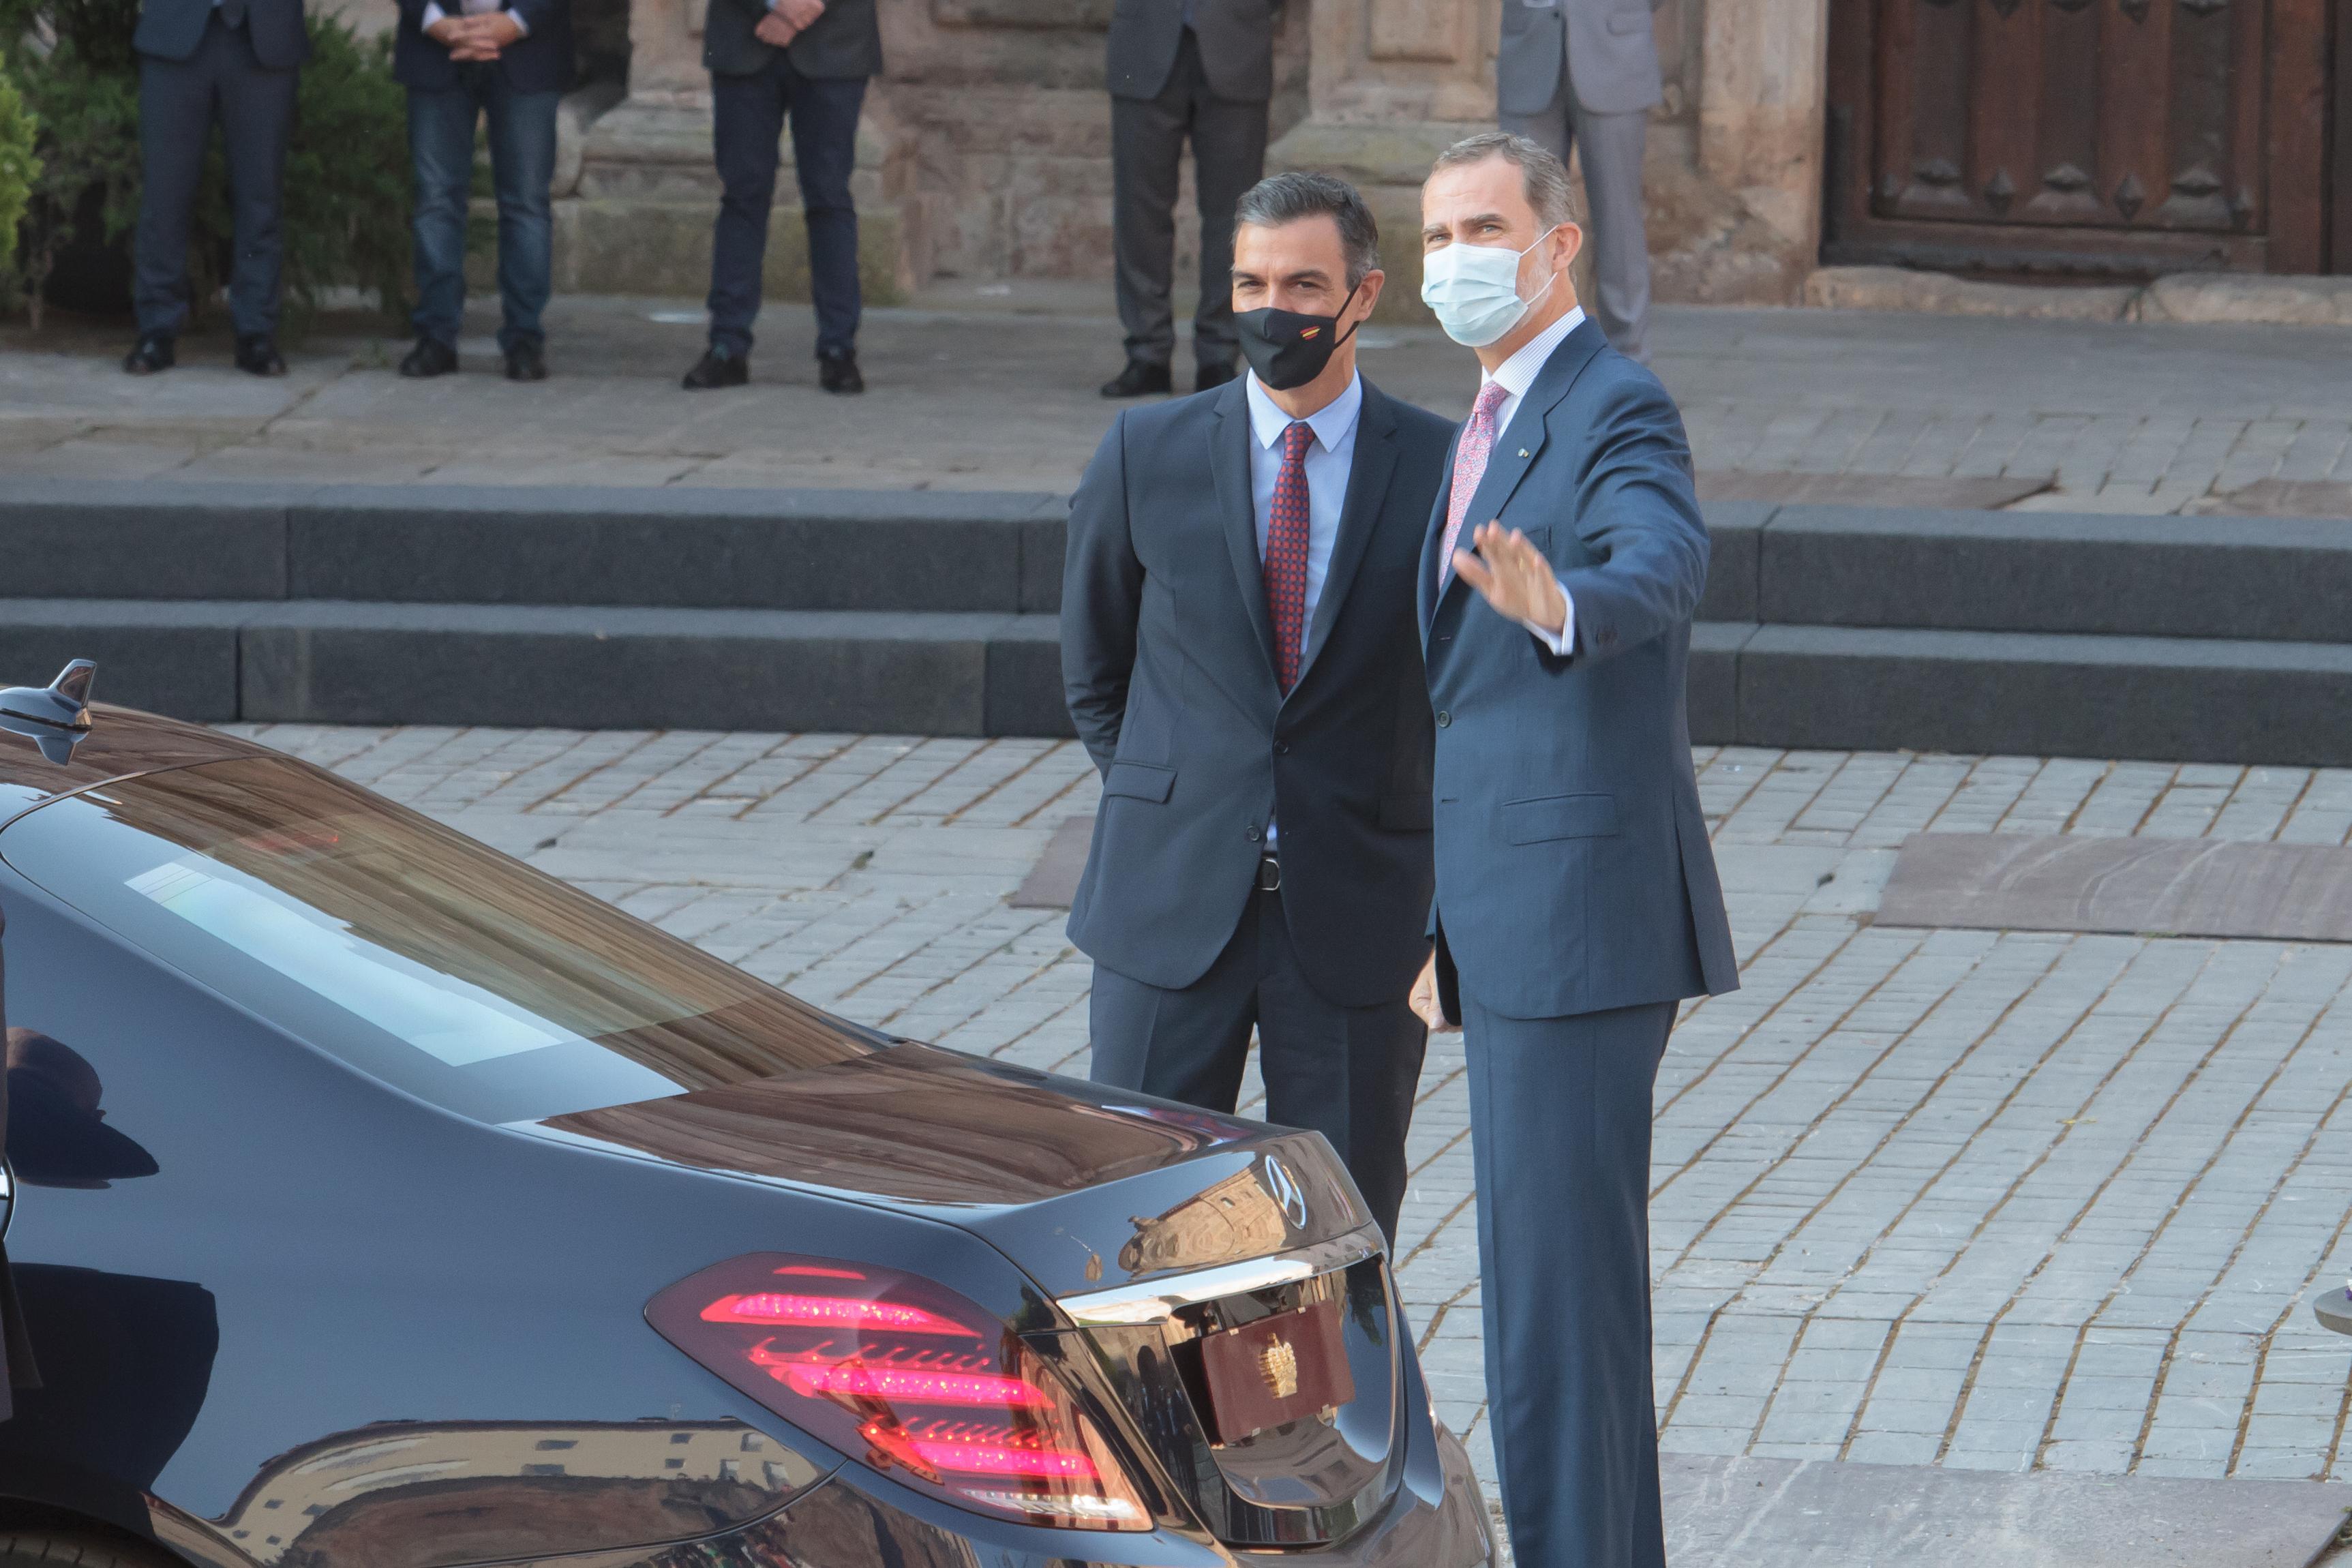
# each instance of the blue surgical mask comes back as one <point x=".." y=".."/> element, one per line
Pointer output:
<point x="1475" y="291"/>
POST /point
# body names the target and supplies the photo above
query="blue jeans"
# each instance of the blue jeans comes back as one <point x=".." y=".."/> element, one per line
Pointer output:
<point x="747" y="117"/>
<point x="522" y="166"/>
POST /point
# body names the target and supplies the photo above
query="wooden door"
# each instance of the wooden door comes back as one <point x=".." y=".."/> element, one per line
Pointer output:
<point x="2116" y="138"/>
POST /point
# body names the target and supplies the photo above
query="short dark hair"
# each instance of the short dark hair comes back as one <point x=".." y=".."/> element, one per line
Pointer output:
<point x="1279" y="199"/>
<point x="1542" y="177"/>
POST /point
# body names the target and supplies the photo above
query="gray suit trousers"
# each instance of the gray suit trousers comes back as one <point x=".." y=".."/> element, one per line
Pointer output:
<point x="1147" y="141"/>
<point x="1349" y="1073"/>
<point x="1560" y="1124"/>
<point x="1612" y="147"/>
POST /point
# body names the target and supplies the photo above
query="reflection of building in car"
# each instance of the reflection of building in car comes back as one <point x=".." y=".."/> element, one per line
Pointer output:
<point x="417" y="1494"/>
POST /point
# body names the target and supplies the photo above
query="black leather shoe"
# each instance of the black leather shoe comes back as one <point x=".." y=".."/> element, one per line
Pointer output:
<point x="839" y="372"/>
<point x="154" y="352"/>
<point x="1208" y="375"/>
<point x="429" y="358"/>
<point x="717" y="368"/>
<point x="1139" y="380"/>
<point x="526" y="362"/>
<point x="256" y="355"/>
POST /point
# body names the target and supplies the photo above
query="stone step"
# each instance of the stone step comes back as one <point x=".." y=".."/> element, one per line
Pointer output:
<point x="627" y="668"/>
<point x="2287" y="579"/>
<point x="947" y="673"/>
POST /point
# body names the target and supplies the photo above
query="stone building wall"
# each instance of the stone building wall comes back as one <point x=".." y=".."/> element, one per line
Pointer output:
<point x="985" y="148"/>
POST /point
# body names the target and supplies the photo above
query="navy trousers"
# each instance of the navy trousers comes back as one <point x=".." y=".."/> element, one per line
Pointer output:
<point x="747" y="117"/>
<point x="178" y="102"/>
<point x="1349" y="1073"/>
<point x="522" y="166"/>
<point x="1560" y="1119"/>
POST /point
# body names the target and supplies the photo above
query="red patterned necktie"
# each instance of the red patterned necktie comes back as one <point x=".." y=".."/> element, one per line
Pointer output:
<point x="1469" y="467"/>
<point x="1287" y="527"/>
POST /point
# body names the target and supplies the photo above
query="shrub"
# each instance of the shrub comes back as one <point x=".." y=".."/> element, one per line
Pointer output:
<point x="19" y="166"/>
<point x="346" y="189"/>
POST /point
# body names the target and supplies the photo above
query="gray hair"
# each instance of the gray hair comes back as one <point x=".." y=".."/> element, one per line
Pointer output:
<point x="1544" y="176"/>
<point x="1279" y="199"/>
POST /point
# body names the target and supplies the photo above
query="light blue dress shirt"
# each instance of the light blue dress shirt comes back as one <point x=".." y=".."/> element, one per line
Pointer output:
<point x="1328" y="458"/>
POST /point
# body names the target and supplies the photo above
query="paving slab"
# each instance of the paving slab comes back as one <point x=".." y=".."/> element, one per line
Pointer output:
<point x="2072" y="415"/>
<point x="1783" y="1514"/>
<point x="2281" y="892"/>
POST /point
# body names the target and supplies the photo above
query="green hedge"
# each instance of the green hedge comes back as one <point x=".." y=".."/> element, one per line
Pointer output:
<point x="347" y="182"/>
<point x="19" y="164"/>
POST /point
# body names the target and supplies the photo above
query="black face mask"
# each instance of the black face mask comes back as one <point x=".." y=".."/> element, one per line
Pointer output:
<point x="1288" y="348"/>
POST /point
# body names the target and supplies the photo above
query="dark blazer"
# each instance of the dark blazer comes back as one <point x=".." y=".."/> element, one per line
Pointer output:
<point x="539" y="61"/>
<point x="170" y="29"/>
<point x="1573" y="870"/>
<point x="1236" y="38"/>
<point x="1168" y="662"/>
<point x="847" y="41"/>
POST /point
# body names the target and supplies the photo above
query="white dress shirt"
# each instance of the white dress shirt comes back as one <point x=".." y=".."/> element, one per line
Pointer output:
<point x="1328" y="458"/>
<point x="1515" y="374"/>
<point x="434" y="12"/>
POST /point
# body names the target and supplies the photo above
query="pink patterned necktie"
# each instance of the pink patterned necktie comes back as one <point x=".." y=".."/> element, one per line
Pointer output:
<point x="1287" y="528"/>
<point x="1469" y="467"/>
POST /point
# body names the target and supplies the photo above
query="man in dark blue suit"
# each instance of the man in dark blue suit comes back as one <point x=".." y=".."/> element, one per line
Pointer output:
<point x="510" y="60"/>
<point x="770" y="60"/>
<point x="1238" y="651"/>
<point x="234" y="60"/>
<point x="1577" y="900"/>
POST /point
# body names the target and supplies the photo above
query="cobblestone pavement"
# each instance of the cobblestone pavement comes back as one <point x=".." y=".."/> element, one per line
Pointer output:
<point x="1970" y="1198"/>
<point x="2121" y="416"/>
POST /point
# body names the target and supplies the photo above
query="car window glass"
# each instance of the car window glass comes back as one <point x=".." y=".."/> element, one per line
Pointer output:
<point x="408" y="951"/>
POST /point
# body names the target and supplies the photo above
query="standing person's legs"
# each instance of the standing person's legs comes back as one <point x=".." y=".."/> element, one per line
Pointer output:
<point x="1189" y="1044"/>
<point x="1551" y="127"/>
<point x="1228" y="158"/>
<point x="824" y="112"/>
<point x="1349" y="1073"/>
<point x="523" y="171"/>
<point x="1147" y="141"/>
<point x="441" y="152"/>
<point x="1560" y="1116"/>
<point x="746" y="116"/>
<point x="257" y="111"/>
<point x="1610" y="148"/>
<point x="176" y="120"/>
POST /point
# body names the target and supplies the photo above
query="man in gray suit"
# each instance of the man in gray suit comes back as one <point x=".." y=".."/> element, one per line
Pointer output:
<point x="1238" y="651"/>
<point x="1180" y="69"/>
<point x="1577" y="900"/>
<point x="1584" y="73"/>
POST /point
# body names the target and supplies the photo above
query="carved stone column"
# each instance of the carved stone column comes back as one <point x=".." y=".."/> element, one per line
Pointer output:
<point x="1391" y="84"/>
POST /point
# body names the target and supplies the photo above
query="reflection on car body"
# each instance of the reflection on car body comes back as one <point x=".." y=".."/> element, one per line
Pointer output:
<point x="393" y="1206"/>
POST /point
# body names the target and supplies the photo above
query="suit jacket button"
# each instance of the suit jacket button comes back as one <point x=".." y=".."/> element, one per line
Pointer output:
<point x="1443" y="718"/>
<point x="1253" y="833"/>
<point x="1282" y="748"/>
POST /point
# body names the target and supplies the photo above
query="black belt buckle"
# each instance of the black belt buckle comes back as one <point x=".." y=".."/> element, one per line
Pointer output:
<point x="1269" y="874"/>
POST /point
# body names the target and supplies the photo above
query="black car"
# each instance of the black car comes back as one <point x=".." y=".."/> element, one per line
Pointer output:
<point x="379" y="1202"/>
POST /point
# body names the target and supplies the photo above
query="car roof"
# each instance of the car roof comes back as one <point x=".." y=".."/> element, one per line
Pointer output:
<point x="121" y="741"/>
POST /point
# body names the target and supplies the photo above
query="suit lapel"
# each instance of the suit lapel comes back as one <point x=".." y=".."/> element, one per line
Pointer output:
<point x="1431" y="538"/>
<point x="1229" y="463"/>
<point x="1516" y="447"/>
<point x="1359" y="514"/>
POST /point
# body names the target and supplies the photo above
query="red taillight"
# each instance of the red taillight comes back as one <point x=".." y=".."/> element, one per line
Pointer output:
<point x="915" y="1379"/>
<point x="830" y="1313"/>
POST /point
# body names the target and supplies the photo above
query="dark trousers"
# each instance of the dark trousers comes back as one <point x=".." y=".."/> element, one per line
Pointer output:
<point x="1560" y="1123"/>
<point x="522" y="167"/>
<point x="1346" y="1072"/>
<point x="747" y="117"/>
<point x="1146" y="138"/>
<point x="178" y="102"/>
